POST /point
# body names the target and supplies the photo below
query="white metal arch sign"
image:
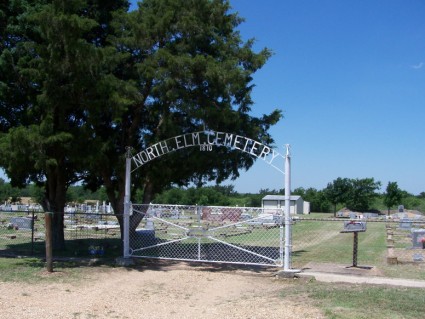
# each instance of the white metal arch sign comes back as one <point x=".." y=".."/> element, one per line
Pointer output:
<point x="206" y="140"/>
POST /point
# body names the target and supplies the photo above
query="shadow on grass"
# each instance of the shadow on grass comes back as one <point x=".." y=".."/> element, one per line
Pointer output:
<point x="77" y="253"/>
<point x="111" y="247"/>
<point x="103" y="252"/>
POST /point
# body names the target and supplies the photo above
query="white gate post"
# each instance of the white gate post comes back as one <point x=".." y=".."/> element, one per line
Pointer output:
<point x="288" y="232"/>
<point x="126" y="223"/>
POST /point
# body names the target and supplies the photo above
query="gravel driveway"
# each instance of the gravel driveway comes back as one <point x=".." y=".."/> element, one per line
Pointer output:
<point x="174" y="290"/>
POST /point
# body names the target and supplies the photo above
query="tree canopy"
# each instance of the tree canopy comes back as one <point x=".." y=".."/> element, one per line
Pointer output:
<point x="211" y="195"/>
<point x="361" y="193"/>
<point x="337" y="191"/>
<point x="357" y="194"/>
<point x="392" y="196"/>
<point x="81" y="80"/>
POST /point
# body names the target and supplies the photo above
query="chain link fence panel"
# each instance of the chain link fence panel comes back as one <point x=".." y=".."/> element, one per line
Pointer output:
<point x="91" y="233"/>
<point x="86" y="234"/>
<point x="242" y="235"/>
<point x="384" y="242"/>
<point x="21" y="232"/>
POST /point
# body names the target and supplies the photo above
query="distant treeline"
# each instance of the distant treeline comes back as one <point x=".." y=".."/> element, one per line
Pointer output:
<point x="319" y="199"/>
<point x="357" y="192"/>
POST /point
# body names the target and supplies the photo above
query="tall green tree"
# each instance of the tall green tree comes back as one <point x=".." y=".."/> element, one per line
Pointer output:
<point x="362" y="193"/>
<point x="81" y="80"/>
<point x="392" y="196"/>
<point x="337" y="191"/>
<point x="50" y="64"/>
<point x="191" y="71"/>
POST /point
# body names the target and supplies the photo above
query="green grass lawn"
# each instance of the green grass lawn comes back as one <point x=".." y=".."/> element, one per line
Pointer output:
<point x="32" y="270"/>
<point x="347" y="301"/>
<point x="322" y="241"/>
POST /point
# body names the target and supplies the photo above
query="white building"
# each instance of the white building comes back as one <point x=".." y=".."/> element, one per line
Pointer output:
<point x="297" y="204"/>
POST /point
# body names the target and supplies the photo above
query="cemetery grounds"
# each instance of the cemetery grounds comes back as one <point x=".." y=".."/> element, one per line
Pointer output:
<point x="97" y="289"/>
<point x="164" y="289"/>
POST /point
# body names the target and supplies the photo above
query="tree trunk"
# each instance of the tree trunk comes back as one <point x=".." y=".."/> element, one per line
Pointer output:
<point x="135" y="219"/>
<point x="54" y="201"/>
<point x="117" y="202"/>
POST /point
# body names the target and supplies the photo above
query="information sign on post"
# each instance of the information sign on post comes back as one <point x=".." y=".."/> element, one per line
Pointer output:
<point x="355" y="227"/>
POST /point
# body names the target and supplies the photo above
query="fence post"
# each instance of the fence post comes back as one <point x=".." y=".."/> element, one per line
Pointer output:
<point x="126" y="223"/>
<point x="48" y="239"/>
<point x="287" y="259"/>
<point x="32" y="233"/>
<point x="287" y="271"/>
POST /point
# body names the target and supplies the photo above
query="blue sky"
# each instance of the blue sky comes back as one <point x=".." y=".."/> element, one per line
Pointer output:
<point x="350" y="78"/>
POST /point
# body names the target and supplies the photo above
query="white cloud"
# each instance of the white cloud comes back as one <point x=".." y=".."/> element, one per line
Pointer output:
<point x="418" y="66"/>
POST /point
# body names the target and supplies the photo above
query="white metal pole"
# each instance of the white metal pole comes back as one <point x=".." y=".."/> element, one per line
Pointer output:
<point x="126" y="226"/>
<point x="288" y="243"/>
<point x="281" y="236"/>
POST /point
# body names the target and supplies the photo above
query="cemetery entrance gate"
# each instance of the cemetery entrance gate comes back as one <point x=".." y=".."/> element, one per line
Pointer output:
<point x="209" y="234"/>
<point x="247" y="235"/>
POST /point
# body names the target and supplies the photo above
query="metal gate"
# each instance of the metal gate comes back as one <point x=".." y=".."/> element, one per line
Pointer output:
<point x="236" y="235"/>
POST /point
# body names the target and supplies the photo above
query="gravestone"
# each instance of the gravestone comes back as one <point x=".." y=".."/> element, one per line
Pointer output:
<point x="417" y="235"/>
<point x="401" y="209"/>
<point x="150" y="224"/>
<point x="418" y="257"/>
<point x="22" y="222"/>
<point x="405" y="223"/>
<point x="93" y="216"/>
<point x="353" y="215"/>
<point x="370" y="215"/>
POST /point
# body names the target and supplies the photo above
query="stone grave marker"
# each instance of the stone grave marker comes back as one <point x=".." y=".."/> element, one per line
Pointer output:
<point x="22" y="222"/>
<point x="417" y="235"/>
<point x="405" y="223"/>
<point x="418" y="257"/>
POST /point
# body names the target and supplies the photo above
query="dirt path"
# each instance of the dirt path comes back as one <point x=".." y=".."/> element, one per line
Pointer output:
<point x="176" y="291"/>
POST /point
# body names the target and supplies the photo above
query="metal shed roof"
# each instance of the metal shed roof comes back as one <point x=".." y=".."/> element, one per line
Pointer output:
<point x="280" y="197"/>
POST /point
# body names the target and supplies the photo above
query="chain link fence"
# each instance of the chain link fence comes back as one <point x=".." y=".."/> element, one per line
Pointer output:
<point x="85" y="233"/>
<point x="384" y="242"/>
<point x="93" y="234"/>
<point x="21" y="232"/>
<point x="323" y="241"/>
<point x="245" y="235"/>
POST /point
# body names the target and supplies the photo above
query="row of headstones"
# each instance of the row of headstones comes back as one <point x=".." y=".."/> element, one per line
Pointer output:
<point x="418" y="234"/>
